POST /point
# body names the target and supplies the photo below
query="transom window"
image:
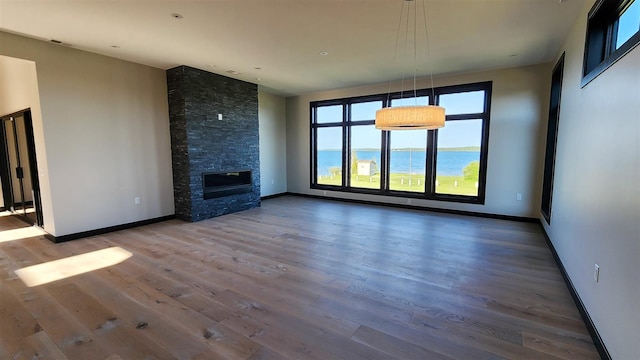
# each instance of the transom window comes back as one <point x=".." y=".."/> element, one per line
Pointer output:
<point x="349" y="154"/>
<point x="613" y="29"/>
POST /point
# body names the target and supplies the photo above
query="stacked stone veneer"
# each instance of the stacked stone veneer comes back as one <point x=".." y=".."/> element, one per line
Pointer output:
<point x="202" y="143"/>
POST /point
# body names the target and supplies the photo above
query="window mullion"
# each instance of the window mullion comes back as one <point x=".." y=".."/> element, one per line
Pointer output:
<point x="430" y="173"/>
<point x="314" y="155"/>
<point x="432" y="136"/>
<point x="384" y="162"/>
<point x="346" y="146"/>
<point x="610" y="45"/>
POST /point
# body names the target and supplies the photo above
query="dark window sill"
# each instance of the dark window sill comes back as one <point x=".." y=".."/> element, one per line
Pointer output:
<point x="478" y="200"/>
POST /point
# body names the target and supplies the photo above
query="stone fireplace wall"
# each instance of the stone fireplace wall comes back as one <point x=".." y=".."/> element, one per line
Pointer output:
<point x="200" y="142"/>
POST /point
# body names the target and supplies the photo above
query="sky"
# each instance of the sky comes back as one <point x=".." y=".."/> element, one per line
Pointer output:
<point x="629" y="23"/>
<point x="454" y="134"/>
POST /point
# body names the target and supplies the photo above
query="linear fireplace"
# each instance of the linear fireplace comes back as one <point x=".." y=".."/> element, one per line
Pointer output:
<point x="226" y="183"/>
<point x="212" y="158"/>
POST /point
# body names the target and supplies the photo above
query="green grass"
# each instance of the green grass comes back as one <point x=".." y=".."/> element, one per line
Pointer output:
<point x="400" y="182"/>
<point x="447" y="185"/>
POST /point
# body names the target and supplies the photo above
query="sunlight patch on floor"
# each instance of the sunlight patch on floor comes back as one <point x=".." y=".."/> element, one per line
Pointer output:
<point x="21" y="233"/>
<point x="74" y="265"/>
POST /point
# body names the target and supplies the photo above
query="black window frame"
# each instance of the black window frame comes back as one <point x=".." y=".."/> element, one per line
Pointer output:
<point x="600" y="42"/>
<point x="433" y="96"/>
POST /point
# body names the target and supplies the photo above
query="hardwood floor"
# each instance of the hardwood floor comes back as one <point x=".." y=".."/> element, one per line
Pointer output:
<point x="300" y="279"/>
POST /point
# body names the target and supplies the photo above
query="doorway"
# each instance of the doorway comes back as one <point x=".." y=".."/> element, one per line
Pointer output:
<point x="18" y="168"/>
<point x="552" y="139"/>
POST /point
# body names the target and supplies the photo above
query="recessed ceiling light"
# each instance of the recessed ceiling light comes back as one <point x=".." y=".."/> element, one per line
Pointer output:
<point x="513" y="55"/>
<point x="233" y="72"/>
<point x="176" y="16"/>
<point x="324" y="53"/>
<point x="258" y="68"/>
<point x="115" y="46"/>
<point x="259" y="79"/>
<point x="58" y="42"/>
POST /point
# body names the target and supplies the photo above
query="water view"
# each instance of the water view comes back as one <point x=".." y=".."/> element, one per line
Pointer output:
<point x="450" y="163"/>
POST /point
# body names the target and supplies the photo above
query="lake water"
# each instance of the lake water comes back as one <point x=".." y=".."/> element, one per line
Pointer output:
<point x="450" y="163"/>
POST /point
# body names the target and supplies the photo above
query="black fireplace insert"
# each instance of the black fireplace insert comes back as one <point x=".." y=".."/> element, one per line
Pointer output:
<point x="226" y="183"/>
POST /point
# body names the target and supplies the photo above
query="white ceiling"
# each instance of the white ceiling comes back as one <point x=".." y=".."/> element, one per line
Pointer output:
<point x="277" y="43"/>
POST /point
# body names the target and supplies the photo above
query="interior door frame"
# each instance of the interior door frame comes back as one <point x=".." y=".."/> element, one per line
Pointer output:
<point x="5" y="167"/>
<point x="552" y="139"/>
<point x="5" y="174"/>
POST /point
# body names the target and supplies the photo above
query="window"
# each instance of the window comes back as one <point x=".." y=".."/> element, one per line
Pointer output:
<point x="458" y="159"/>
<point x="349" y="154"/>
<point x="408" y="153"/>
<point x="407" y="160"/>
<point x="365" y="156"/>
<point x="613" y="29"/>
<point x="330" y="164"/>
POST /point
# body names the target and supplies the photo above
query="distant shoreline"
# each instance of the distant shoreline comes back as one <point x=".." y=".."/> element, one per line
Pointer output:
<point x="452" y="149"/>
<point x="451" y="161"/>
<point x="457" y="149"/>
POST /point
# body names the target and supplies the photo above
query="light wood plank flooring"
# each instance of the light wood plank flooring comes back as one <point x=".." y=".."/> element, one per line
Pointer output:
<point x="298" y="278"/>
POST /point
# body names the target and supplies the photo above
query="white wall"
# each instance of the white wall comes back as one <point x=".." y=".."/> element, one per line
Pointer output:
<point x="596" y="195"/>
<point x="273" y="147"/>
<point x="518" y="112"/>
<point x="106" y="129"/>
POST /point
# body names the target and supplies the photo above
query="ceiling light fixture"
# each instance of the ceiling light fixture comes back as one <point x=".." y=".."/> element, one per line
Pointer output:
<point x="414" y="117"/>
<point x="324" y="53"/>
<point x="58" y="42"/>
<point x="176" y="16"/>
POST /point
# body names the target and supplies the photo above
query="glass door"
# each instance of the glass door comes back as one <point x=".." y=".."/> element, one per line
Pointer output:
<point x="20" y="188"/>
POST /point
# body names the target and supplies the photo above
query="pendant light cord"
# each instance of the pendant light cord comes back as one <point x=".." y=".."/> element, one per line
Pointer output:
<point x="426" y="33"/>
<point x="395" y="51"/>
<point x="406" y="42"/>
<point x="415" y="52"/>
